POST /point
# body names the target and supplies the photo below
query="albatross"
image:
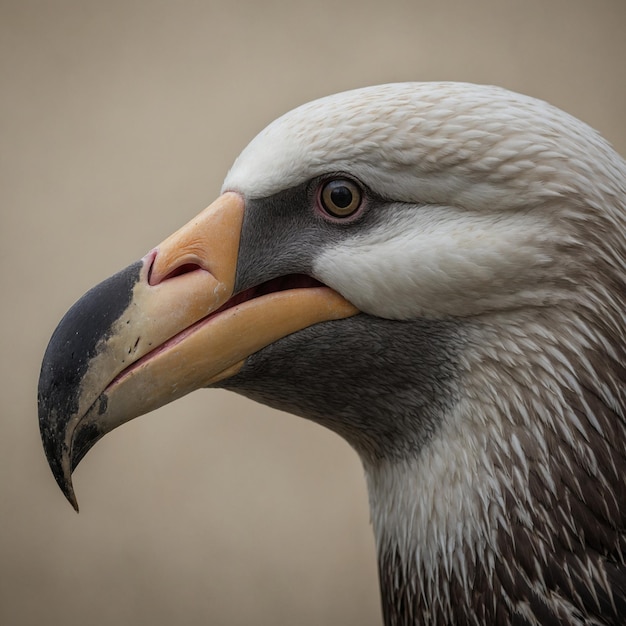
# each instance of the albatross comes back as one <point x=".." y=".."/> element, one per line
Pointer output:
<point x="436" y="272"/>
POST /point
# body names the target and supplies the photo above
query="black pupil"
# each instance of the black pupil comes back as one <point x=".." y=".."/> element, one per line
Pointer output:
<point x="341" y="196"/>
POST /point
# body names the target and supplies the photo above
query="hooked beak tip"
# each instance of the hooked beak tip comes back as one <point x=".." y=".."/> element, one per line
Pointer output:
<point x="71" y="496"/>
<point x="63" y="475"/>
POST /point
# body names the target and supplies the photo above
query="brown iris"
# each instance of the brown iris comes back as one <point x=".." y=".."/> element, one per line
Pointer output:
<point x="340" y="197"/>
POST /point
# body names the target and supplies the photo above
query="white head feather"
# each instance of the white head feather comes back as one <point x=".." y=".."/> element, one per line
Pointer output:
<point x="454" y="143"/>
<point x="491" y="173"/>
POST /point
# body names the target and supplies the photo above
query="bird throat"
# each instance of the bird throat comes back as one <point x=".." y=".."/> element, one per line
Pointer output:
<point x="434" y="533"/>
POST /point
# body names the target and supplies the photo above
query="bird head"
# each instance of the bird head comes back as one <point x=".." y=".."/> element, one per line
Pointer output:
<point x="424" y="203"/>
<point x="390" y="262"/>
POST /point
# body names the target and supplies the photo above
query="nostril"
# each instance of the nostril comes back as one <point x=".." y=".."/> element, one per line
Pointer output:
<point x="185" y="268"/>
<point x="150" y="258"/>
<point x="160" y="270"/>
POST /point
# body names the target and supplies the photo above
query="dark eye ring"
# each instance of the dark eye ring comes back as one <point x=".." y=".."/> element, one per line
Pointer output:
<point x="340" y="197"/>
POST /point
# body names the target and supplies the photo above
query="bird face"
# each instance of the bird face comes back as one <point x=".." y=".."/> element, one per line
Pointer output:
<point x="355" y="241"/>
<point x="453" y="185"/>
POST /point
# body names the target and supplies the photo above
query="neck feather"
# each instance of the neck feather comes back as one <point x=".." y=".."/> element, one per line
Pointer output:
<point x="435" y="519"/>
<point x="513" y="512"/>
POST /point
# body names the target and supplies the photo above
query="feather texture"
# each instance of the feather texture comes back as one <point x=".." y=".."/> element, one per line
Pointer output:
<point x="507" y="217"/>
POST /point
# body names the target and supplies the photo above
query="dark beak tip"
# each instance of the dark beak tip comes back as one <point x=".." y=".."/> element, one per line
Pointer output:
<point x="65" y="443"/>
<point x="74" y="344"/>
<point x="59" y="463"/>
<point x="68" y="491"/>
<point x="63" y="479"/>
<point x="74" y="503"/>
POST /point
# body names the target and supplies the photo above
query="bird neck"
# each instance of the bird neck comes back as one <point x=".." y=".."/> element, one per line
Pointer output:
<point x="513" y="510"/>
<point x="435" y="519"/>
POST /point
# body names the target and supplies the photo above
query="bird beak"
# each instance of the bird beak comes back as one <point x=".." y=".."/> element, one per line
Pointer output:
<point x="159" y="329"/>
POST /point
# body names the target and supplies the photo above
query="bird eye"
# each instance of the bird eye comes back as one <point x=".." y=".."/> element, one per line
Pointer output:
<point x="340" y="197"/>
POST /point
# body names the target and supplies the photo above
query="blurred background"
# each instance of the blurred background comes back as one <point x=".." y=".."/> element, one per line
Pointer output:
<point x="119" y="120"/>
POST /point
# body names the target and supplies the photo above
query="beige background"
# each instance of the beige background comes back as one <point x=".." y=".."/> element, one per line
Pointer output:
<point x="119" y="121"/>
